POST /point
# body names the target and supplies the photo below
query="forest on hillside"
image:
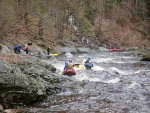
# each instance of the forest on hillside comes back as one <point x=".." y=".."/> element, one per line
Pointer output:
<point x="56" y="19"/>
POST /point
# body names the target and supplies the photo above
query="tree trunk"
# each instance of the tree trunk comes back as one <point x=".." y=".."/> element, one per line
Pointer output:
<point x="26" y="2"/>
<point x="60" y="29"/>
<point x="101" y="11"/>
<point x="40" y="25"/>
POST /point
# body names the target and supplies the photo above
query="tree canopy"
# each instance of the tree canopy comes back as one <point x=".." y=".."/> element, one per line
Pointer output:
<point x="42" y="16"/>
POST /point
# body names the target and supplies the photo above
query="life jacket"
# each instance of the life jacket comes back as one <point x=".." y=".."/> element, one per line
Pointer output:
<point x="48" y="48"/>
<point x="70" y="65"/>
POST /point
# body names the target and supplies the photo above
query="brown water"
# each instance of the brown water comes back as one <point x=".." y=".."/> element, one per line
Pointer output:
<point x="118" y="83"/>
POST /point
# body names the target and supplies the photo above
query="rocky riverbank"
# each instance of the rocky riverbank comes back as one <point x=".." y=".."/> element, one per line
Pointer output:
<point x="27" y="79"/>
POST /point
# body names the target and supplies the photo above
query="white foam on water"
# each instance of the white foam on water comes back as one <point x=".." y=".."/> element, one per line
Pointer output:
<point x="97" y="68"/>
<point x="120" y="62"/>
<point x="83" y="76"/>
<point x="81" y="56"/>
<point x="127" y="57"/>
<point x="114" y="69"/>
<point x="100" y="60"/>
<point x="94" y="79"/>
<point x="59" y="66"/>
<point x="116" y="80"/>
<point x="134" y="84"/>
<point x="65" y="93"/>
<point x="113" y="60"/>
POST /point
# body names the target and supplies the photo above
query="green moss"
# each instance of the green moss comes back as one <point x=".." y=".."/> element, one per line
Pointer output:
<point x="146" y="57"/>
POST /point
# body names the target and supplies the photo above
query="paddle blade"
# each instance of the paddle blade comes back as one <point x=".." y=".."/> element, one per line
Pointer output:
<point x="53" y="55"/>
<point x="76" y="65"/>
<point x="81" y="65"/>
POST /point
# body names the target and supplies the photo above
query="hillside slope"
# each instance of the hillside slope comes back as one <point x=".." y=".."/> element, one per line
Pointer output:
<point x="50" y="25"/>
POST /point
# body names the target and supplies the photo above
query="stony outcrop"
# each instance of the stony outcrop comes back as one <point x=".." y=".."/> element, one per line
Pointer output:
<point x="25" y="79"/>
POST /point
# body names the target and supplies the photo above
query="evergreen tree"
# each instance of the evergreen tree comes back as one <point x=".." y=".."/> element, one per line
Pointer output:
<point x="148" y="7"/>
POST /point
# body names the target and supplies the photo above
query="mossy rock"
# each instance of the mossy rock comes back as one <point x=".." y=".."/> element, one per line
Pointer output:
<point x="146" y="57"/>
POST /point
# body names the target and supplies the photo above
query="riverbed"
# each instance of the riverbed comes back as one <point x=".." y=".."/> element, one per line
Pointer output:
<point x="118" y="83"/>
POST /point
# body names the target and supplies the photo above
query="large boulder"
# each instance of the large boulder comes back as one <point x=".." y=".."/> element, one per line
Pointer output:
<point x="41" y="54"/>
<point x="12" y="75"/>
<point x="1" y="108"/>
<point x="103" y="49"/>
<point x="83" y="50"/>
<point x="69" y="49"/>
<point x="5" y="49"/>
<point x="25" y="82"/>
<point x="5" y="68"/>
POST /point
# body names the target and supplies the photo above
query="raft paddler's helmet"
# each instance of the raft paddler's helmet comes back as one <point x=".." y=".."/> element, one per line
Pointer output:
<point x="70" y="60"/>
<point x="88" y="58"/>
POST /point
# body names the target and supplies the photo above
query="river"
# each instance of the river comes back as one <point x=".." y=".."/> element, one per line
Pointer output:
<point x="118" y="83"/>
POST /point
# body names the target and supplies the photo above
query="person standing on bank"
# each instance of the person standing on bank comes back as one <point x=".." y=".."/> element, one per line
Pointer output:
<point x="48" y="50"/>
<point x="26" y="49"/>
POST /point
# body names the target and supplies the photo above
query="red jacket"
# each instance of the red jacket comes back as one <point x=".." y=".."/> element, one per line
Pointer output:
<point x="26" y="47"/>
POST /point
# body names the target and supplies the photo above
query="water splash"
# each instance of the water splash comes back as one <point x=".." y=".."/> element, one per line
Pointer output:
<point x="116" y="80"/>
<point x="125" y="72"/>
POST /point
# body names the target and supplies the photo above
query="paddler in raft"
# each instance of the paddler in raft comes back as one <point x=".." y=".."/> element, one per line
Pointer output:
<point x="69" y="65"/>
<point x="88" y="63"/>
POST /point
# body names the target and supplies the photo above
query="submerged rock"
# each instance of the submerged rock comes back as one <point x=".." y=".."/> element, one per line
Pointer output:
<point x="11" y="111"/>
<point x="1" y="108"/>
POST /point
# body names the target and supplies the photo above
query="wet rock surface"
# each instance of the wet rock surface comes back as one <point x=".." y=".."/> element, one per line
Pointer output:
<point x="25" y="80"/>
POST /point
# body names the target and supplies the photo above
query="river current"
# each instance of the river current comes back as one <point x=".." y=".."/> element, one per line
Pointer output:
<point x="118" y="83"/>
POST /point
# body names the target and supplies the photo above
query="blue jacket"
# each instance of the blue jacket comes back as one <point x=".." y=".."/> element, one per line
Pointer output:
<point x="87" y="61"/>
<point x="18" y="47"/>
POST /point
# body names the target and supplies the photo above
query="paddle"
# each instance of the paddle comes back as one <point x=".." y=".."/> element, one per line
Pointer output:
<point x="53" y="54"/>
<point x="79" y="66"/>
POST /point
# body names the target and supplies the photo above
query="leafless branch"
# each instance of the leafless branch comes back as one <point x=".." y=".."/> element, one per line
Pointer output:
<point x="21" y="27"/>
